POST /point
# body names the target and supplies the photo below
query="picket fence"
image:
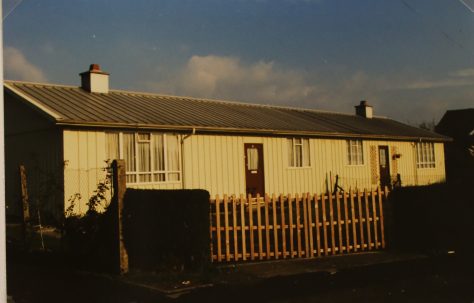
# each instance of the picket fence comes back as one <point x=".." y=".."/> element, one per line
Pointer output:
<point x="247" y="228"/>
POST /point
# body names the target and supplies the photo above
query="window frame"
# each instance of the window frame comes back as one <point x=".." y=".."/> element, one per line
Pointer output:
<point x="292" y="158"/>
<point x="154" y="174"/>
<point x="425" y="155"/>
<point x="358" y="158"/>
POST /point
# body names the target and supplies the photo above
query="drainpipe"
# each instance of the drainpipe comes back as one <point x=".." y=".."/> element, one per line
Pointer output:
<point x="182" y="155"/>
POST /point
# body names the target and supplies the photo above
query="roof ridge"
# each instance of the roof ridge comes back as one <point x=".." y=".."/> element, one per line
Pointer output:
<point x="200" y="99"/>
<point x="233" y="102"/>
<point x="39" y="83"/>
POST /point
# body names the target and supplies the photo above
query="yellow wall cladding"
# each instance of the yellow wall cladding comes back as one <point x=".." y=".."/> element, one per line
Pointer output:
<point x="216" y="163"/>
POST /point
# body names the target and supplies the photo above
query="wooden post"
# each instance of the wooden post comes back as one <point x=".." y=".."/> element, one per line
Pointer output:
<point x="252" y="240"/>
<point x="243" y="226"/>
<point x="331" y="220"/>
<point x="290" y="220"/>
<point x="298" y="225"/>
<point x="367" y="219"/>
<point x="283" y="226"/>
<point x="259" y="229"/>
<point x="226" y="228"/>
<point x="218" y="229"/>
<point x="24" y="195"/>
<point x="267" y="226"/>
<point x="361" y="220"/>
<point x="339" y="226"/>
<point x="325" y="223"/>
<point x="234" y="228"/>
<point x="346" y="223"/>
<point x="25" y="204"/>
<point x="316" y="222"/>
<point x="310" y="226"/>
<point x="119" y="187"/>
<point x="275" y="227"/>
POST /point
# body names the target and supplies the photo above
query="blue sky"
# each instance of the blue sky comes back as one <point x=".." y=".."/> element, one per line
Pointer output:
<point x="411" y="59"/>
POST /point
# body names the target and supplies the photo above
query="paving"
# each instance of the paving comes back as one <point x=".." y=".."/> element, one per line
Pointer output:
<point x="252" y="273"/>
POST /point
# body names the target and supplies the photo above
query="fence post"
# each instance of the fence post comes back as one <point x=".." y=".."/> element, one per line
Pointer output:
<point x="25" y="204"/>
<point x="119" y="187"/>
<point x="24" y="195"/>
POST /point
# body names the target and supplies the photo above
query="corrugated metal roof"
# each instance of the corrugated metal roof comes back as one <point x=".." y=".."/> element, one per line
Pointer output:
<point x="69" y="105"/>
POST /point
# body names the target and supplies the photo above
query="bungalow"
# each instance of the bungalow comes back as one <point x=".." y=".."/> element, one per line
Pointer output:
<point x="64" y="134"/>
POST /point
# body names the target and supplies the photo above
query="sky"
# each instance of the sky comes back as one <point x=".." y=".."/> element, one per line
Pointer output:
<point x="411" y="59"/>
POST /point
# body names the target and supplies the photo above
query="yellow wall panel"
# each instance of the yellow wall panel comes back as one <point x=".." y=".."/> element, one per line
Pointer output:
<point x="216" y="163"/>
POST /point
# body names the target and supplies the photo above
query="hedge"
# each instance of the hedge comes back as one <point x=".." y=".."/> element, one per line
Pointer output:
<point x="433" y="217"/>
<point x="167" y="229"/>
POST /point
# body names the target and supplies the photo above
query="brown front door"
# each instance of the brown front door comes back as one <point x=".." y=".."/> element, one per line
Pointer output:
<point x="384" y="166"/>
<point x="254" y="176"/>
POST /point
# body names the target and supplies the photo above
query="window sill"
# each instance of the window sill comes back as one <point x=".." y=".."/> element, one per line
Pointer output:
<point x="355" y="165"/>
<point x="298" y="167"/>
<point x="153" y="183"/>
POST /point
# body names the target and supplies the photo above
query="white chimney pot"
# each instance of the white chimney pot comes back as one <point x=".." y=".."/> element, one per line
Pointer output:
<point x="364" y="110"/>
<point x="95" y="80"/>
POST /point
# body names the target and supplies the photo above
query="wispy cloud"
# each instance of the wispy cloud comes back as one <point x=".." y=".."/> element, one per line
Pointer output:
<point x="17" y="67"/>
<point x="466" y="72"/>
<point x="227" y="77"/>
<point x="405" y="95"/>
<point x="461" y="77"/>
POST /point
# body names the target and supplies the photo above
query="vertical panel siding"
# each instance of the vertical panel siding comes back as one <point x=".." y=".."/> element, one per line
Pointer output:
<point x="84" y="154"/>
<point x="216" y="163"/>
<point x="328" y="159"/>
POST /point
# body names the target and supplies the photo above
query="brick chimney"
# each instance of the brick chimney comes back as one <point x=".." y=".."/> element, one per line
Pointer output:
<point x="95" y="80"/>
<point x="364" y="110"/>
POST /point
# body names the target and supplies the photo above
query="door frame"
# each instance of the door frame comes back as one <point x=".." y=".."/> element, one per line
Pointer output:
<point x="260" y="189"/>
<point x="384" y="180"/>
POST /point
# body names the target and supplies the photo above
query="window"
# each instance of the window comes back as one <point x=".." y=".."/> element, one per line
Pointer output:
<point x="252" y="158"/>
<point x="425" y="157"/>
<point x="355" y="153"/>
<point x="149" y="157"/>
<point x="298" y="152"/>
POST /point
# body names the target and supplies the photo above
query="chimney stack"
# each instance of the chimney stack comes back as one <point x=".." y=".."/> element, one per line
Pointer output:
<point x="364" y="110"/>
<point x="95" y="80"/>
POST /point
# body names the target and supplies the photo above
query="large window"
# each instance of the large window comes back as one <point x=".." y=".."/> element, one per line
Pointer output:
<point x="355" y="153"/>
<point x="298" y="152"/>
<point x="425" y="156"/>
<point x="149" y="157"/>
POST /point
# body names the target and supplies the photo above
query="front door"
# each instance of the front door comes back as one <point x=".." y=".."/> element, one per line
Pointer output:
<point x="254" y="175"/>
<point x="384" y="166"/>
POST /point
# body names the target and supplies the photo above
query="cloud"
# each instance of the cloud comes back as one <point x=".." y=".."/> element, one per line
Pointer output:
<point x="403" y="95"/>
<point x="467" y="72"/>
<point x="227" y="77"/>
<point x="17" y="67"/>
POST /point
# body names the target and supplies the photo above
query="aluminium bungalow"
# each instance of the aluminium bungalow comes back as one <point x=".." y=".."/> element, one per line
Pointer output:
<point x="64" y="135"/>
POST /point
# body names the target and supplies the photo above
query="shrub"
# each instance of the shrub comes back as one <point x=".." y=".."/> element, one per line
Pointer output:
<point x="167" y="229"/>
<point x="434" y="217"/>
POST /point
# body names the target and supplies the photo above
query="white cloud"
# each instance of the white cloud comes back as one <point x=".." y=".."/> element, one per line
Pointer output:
<point x="17" y="67"/>
<point x="227" y="77"/>
<point x="404" y="95"/>
<point x="467" y="72"/>
<point x="457" y="78"/>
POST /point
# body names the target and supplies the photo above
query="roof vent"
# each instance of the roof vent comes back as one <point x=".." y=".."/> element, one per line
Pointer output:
<point x="95" y="80"/>
<point x="364" y="110"/>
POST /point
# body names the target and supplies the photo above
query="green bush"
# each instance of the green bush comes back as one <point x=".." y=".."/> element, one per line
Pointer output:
<point x="90" y="240"/>
<point x="434" y="217"/>
<point x="167" y="229"/>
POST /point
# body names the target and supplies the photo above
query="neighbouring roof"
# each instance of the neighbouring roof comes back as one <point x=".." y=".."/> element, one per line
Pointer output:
<point x="457" y="123"/>
<point x="68" y="105"/>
